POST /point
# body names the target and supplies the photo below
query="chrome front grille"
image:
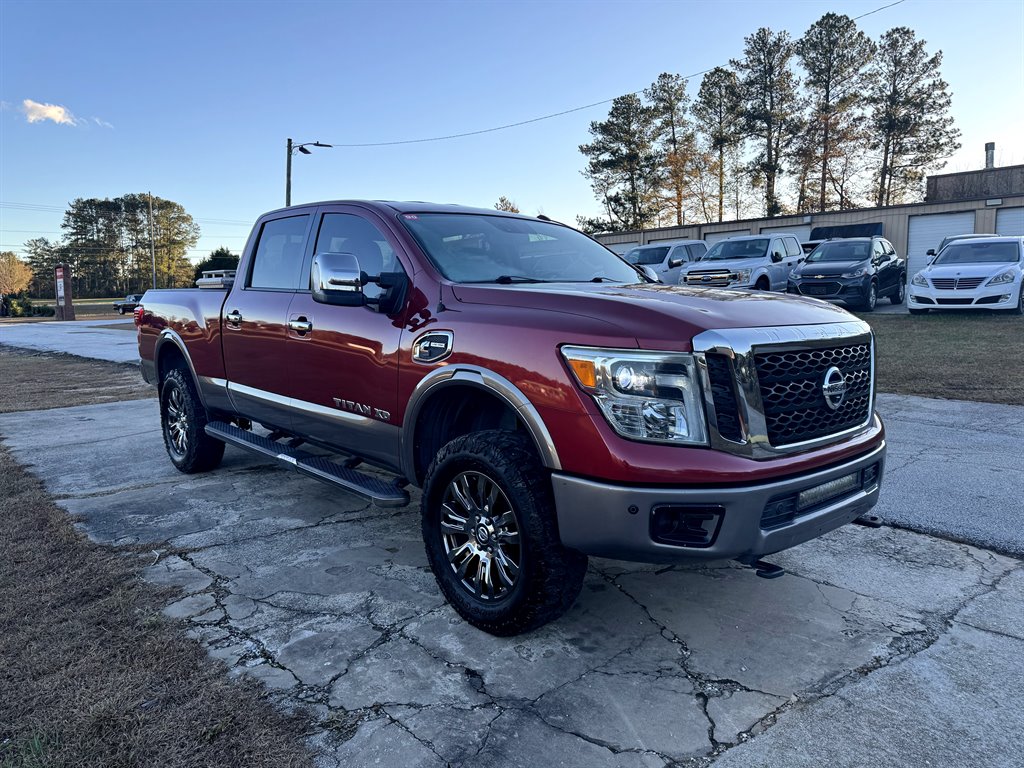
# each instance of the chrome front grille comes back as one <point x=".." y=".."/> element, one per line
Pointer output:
<point x="956" y="283"/>
<point x="711" y="278"/>
<point x="764" y="387"/>
<point x="795" y="409"/>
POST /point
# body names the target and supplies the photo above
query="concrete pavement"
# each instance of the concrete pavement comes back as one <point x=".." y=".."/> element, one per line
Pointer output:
<point x="86" y="338"/>
<point x="877" y="648"/>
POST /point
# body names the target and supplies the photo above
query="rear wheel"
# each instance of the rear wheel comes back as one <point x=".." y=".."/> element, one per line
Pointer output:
<point x="120" y="310"/>
<point x="491" y="534"/>
<point x="184" y="420"/>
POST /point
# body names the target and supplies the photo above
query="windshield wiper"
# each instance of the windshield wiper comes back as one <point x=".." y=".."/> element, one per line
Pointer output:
<point x="506" y="279"/>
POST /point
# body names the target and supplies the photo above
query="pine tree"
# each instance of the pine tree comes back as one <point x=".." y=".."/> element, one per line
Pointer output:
<point x="771" y="105"/>
<point x="504" y="204"/>
<point x="624" y="164"/>
<point x="719" y="112"/>
<point x="910" y="122"/>
<point x="670" y="102"/>
<point x="835" y="55"/>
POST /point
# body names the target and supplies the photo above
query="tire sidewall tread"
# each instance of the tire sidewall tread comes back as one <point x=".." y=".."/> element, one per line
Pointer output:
<point x="204" y="452"/>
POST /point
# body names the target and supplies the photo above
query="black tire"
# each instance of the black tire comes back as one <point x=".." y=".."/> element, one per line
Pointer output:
<point x="918" y="311"/>
<point x="547" y="577"/>
<point x="871" y="301"/>
<point x="120" y="310"/>
<point x="183" y="421"/>
<point x="901" y="292"/>
<point x="762" y="284"/>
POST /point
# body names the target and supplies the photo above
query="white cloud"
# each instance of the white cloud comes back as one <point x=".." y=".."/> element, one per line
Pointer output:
<point x="102" y="123"/>
<point x="36" y="113"/>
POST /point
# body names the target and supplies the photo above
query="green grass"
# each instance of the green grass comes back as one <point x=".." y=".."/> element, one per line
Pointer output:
<point x="957" y="355"/>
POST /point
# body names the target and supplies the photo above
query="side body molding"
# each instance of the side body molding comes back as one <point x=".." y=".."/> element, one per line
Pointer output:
<point x="482" y="378"/>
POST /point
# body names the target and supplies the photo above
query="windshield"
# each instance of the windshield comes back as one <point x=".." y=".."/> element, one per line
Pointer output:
<point x="647" y="255"/>
<point x="840" y="251"/>
<point x="978" y="252"/>
<point x="478" y="248"/>
<point x="737" y="249"/>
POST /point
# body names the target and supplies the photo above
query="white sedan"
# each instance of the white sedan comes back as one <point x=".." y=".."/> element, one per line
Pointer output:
<point x="972" y="274"/>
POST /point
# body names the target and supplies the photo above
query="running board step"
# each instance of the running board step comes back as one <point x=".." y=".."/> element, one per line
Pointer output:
<point x="380" y="492"/>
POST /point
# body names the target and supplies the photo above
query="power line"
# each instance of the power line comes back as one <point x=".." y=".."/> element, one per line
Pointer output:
<point x="543" y="117"/>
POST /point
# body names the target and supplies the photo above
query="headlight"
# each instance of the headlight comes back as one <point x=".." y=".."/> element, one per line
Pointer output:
<point x="856" y="273"/>
<point x="919" y="279"/>
<point x="1005" y="277"/>
<point x="650" y="396"/>
<point x="742" y="275"/>
<point x="794" y="274"/>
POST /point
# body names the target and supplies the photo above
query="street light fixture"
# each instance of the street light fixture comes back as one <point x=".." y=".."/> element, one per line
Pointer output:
<point x="292" y="149"/>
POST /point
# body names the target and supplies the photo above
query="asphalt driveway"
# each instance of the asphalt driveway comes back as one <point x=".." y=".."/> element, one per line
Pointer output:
<point x="882" y="647"/>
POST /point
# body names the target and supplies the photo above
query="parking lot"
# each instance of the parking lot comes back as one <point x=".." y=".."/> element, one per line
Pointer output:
<point x="882" y="647"/>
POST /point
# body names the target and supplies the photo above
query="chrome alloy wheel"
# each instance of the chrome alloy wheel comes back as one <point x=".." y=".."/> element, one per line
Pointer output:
<point x="481" y="536"/>
<point x="177" y="421"/>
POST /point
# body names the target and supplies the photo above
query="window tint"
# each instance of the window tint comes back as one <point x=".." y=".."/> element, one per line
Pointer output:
<point x="792" y="247"/>
<point x="876" y="248"/>
<point x="348" y="233"/>
<point x="648" y="255"/>
<point x="697" y="250"/>
<point x="278" y="259"/>
<point x="888" y="248"/>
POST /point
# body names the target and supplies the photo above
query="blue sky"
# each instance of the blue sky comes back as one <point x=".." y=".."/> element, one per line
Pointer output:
<point x="194" y="100"/>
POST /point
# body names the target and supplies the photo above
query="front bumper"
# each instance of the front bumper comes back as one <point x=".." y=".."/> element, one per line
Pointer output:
<point x="1003" y="296"/>
<point x="845" y="289"/>
<point x="616" y="521"/>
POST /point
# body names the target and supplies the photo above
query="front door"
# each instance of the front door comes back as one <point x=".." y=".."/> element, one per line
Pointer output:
<point x="255" y="321"/>
<point x="343" y="361"/>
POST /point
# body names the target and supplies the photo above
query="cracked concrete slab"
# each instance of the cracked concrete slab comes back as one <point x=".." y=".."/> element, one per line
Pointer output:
<point x="329" y="601"/>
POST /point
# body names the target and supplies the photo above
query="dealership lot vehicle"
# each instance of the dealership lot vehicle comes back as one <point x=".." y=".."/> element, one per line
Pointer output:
<point x="549" y="400"/>
<point x="667" y="258"/>
<point x="857" y="271"/>
<point x="128" y="304"/>
<point x="755" y="261"/>
<point x="972" y="274"/>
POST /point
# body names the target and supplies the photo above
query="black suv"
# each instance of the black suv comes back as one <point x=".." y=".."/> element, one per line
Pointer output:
<point x="854" y="270"/>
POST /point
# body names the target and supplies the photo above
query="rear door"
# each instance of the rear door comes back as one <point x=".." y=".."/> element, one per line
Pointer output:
<point x="344" y="367"/>
<point x="255" y="319"/>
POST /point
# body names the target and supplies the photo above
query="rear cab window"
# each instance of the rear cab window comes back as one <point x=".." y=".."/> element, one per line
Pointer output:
<point x="277" y="260"/>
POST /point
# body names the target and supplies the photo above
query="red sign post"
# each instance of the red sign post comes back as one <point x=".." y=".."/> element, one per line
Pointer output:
<point x="62" y="281"/>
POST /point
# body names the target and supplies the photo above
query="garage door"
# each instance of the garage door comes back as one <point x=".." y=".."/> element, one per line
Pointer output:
<point x="620" y="248"/>
<point x="713" y="237"/>
<point x="1010" y="221"/>
<point x="927" y="232"/>
<point x="803" y="233"/>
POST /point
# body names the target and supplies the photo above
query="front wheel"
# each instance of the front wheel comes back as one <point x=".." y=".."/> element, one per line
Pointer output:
<point x="184" y="420"/>
<point x="872" y="298"/>
<point x="120" y="310"/>
<point x="1019" y="309"/>
<point x="491" y="535"/>
<point x="762" y="284"/>
<point x="900" y="294"/>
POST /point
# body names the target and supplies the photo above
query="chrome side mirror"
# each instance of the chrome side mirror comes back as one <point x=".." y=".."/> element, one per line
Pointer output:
<point x="337" y="279"/>
<point x="675" y="262"/>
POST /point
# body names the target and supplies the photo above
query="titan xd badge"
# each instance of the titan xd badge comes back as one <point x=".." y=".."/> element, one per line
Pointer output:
<point x="433" y="347"/>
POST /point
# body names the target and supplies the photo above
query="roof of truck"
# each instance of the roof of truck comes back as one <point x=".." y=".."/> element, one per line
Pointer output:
<point x="409" y="206"/>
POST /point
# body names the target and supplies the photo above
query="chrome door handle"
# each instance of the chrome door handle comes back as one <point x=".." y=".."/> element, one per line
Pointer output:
<point x="234" y="316"/>
<point x="301" y="326"/>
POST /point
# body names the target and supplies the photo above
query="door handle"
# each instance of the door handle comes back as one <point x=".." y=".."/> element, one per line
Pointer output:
<point x="234" y="316"/>
<point x="300" y="325"/>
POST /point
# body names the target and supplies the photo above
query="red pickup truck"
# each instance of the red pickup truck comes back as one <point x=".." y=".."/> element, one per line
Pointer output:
<point x="551" y="400"/>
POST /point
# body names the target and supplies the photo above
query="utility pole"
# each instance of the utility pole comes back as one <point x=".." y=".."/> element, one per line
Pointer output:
<point x="152" y="247"/>
<point x="288" y="178"/>
<point x="292" y="149"/>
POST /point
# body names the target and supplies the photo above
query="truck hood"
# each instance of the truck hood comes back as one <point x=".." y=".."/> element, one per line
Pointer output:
<point x="659" y="316"/>
<point x="716" y="264"/>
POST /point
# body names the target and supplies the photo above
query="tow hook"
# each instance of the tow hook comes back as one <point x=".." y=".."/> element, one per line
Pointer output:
<point x="869" y="521"/>
<point x="767" y="570"/>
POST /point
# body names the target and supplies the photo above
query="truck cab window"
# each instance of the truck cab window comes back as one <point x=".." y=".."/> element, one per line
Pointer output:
<point x="277" y="262"/>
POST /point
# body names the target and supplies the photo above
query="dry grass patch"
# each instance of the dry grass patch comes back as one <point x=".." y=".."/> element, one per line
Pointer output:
<point x="960" y="356"/>
<point x="31" y="380"/>
<point x="93" y="675"/>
